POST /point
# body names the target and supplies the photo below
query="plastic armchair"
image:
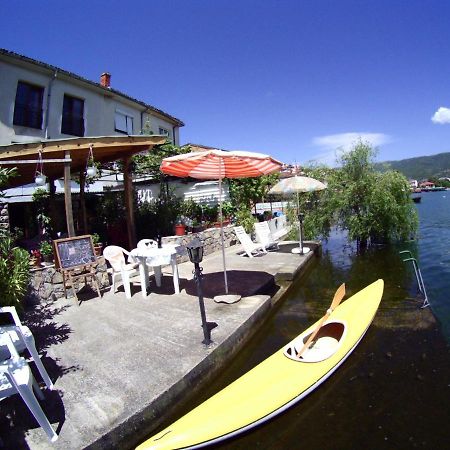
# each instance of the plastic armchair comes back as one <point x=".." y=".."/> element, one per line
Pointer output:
<point x="265" y="236"/>
<point x="16" y="378"/>
<point x="121" y="268"/>
<point x="249" y="246"/>
<point x="23" y="338"/>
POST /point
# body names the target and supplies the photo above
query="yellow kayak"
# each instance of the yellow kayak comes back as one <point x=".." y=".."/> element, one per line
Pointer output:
<point x="279" y="381"/>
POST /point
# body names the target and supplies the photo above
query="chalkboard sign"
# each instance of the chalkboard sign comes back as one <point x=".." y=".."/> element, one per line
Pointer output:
<point x="74" y="252"/>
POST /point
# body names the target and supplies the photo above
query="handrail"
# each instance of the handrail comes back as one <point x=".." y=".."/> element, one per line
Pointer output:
<point x="419" y="278"/>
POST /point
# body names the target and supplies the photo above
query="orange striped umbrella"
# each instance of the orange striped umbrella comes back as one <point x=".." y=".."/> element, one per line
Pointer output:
<point x="219" y="164"/>
<point x="216" y="165"/>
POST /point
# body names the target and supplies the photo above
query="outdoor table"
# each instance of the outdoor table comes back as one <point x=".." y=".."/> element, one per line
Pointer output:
<point x="156" y="257"/>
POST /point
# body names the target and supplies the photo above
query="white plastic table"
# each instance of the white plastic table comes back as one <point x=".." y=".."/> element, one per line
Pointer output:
<point x="156" y="257"/>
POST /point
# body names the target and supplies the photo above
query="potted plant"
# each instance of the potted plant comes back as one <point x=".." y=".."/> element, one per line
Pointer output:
<point x="180" y="227"/>
<point x="36" y="258"/>
<point x="98" y="246"/>
<point x="46" y="250"/>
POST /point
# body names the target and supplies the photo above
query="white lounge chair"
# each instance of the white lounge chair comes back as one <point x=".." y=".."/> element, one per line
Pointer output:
<point x="23" y="338"/>
<point x="16" y="378"/>
<point x="264" y="236"/>
<point x="250" y="247"/>
<point x="121" y="268"/>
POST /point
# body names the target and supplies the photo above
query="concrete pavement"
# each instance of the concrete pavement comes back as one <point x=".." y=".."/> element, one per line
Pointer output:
<point x="119" y="365"/>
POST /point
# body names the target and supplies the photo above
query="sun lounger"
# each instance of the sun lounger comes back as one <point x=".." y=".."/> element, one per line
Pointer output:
<point x="250" y="247"/>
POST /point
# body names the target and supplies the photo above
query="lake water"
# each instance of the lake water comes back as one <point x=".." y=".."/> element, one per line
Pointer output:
<point x="393" y="392"/>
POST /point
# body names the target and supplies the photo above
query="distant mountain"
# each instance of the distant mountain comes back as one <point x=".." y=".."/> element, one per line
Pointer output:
<point x="420" y="167"/>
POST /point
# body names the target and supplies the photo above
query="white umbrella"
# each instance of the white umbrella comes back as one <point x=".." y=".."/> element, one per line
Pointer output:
<point x="216" y="165"/>
<point x="295" y="185"/>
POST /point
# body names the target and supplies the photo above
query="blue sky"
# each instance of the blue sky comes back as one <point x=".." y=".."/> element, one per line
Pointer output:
<point x="295" y="79"/>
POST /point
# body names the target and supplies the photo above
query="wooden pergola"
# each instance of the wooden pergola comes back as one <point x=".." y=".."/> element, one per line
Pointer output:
<point x="60" y="158"/>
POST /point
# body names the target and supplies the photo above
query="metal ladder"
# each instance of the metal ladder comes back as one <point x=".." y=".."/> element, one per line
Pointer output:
<point x="419" y="278"/>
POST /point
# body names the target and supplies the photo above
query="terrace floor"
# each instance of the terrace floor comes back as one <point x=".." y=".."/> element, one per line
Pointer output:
<point x="121" y="365"/>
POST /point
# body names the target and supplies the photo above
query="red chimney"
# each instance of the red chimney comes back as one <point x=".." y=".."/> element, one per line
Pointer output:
<point x="105" y="79"/>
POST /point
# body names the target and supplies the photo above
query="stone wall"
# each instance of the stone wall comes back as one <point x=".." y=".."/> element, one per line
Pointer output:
<point x="210" y="238"/>
<point x="46" y="283"/>
<point x="4" y="216"/>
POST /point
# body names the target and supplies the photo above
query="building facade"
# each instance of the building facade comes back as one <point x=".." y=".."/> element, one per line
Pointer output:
<point x="40" y="101"/>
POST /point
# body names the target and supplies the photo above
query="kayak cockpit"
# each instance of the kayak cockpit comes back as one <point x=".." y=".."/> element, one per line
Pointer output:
<point x="324" y="345"/>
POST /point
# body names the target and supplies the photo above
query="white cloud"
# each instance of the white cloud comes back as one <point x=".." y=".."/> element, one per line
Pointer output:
<point x="441" y="116"/>
<point x="334" y="144"/>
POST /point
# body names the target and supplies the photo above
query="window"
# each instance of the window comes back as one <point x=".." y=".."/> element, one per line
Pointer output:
<point x="72" y="117"/>
<point x="163" y="132"/>
<point x="123" y="123"/>
<point x="28" y="106"/>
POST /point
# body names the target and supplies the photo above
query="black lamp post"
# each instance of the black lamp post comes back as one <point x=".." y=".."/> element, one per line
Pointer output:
<point x="195" y="251"/>
<point x="300" y="220"/>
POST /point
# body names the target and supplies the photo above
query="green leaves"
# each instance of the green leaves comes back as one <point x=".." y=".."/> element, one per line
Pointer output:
<point x="371" y="206"/>
<point x="14" y="272"/>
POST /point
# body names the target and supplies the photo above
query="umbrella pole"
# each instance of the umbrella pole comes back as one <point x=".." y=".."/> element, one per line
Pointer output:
<point x="300" y="237"/>
<point x="221" y="236"/>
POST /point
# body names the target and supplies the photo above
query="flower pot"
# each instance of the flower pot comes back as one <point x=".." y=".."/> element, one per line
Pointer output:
<point x="98" y="249"/>
<point x="180" y="230"/>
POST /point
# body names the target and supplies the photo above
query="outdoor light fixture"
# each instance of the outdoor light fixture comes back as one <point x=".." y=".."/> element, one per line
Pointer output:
<point x="39" y="177"/>
<point x="195" y="252"/>
<point x="91" y="170"/>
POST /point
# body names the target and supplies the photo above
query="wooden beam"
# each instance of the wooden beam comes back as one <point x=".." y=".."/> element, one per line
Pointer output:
<point x="68" y="196"/>
<point x="32" y="161"/>
<point x="82" y="198"/>
<point x="128" y="187"/>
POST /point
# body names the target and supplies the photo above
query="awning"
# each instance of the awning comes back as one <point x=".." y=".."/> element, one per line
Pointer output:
<point x="105" y="149"/>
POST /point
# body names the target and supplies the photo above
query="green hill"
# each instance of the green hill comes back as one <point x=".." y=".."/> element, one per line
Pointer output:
<point x="420" y="167"/>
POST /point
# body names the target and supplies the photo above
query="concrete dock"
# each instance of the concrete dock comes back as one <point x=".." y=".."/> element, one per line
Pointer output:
<point x="121" y="365"/>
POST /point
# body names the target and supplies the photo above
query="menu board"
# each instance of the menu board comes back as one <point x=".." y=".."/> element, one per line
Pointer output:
<point x="75" y="251"/>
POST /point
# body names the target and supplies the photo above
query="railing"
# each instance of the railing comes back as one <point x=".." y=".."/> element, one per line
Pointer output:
<point x="419" y="278"/>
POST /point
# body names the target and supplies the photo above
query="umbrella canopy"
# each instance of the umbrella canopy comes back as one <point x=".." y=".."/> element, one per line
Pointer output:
<point x="216" y="165"/>
<point x="297" y="184"/>
<point x="219" y="164"/>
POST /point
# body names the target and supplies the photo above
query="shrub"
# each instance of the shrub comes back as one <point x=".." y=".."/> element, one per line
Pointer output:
<point x="14" y="272"/>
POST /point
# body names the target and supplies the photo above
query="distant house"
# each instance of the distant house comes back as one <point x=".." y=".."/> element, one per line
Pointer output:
<point x="426" y="184"/>
<point x="413" y="184"/>
<point x="41" y="101"/>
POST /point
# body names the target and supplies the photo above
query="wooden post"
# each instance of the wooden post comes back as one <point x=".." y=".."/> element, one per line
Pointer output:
<point x="128" y="186"/>
<point x="82" y="213"/>
<point x="68" y="196"/>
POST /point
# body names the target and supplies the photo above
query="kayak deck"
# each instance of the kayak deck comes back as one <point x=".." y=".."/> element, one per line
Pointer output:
<point x="276" y="383"/>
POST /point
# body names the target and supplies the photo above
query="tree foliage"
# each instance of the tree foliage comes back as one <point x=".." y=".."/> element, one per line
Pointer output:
<point x="248" y="191"/>
<point x="372" y="206"/>
<point x="245" y="192"/>
<point x="148" y="163"/>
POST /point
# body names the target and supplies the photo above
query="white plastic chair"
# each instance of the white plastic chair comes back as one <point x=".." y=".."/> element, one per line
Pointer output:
<point x="250" y="247"/>
<point x="22" y="338"/>
<point x="121" y="268"/>
<point x="264" y="236"/>
<point x="16" y="378"/>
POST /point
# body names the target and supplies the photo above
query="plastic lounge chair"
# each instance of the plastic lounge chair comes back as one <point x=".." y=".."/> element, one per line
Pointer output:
<point x="16" y="378"/>
<point x="23" y="338"/>
<point x="264" y="236"/>
<point x="250" y="247"/>
<point x="121" y="268"/>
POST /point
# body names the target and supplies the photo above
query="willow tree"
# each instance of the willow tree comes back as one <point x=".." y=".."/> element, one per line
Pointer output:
<point x="371" y="206"/>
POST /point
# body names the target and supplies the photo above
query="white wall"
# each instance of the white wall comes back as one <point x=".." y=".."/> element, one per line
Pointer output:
<point x="99" y="105"/>
<point x="206" y="193"/>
